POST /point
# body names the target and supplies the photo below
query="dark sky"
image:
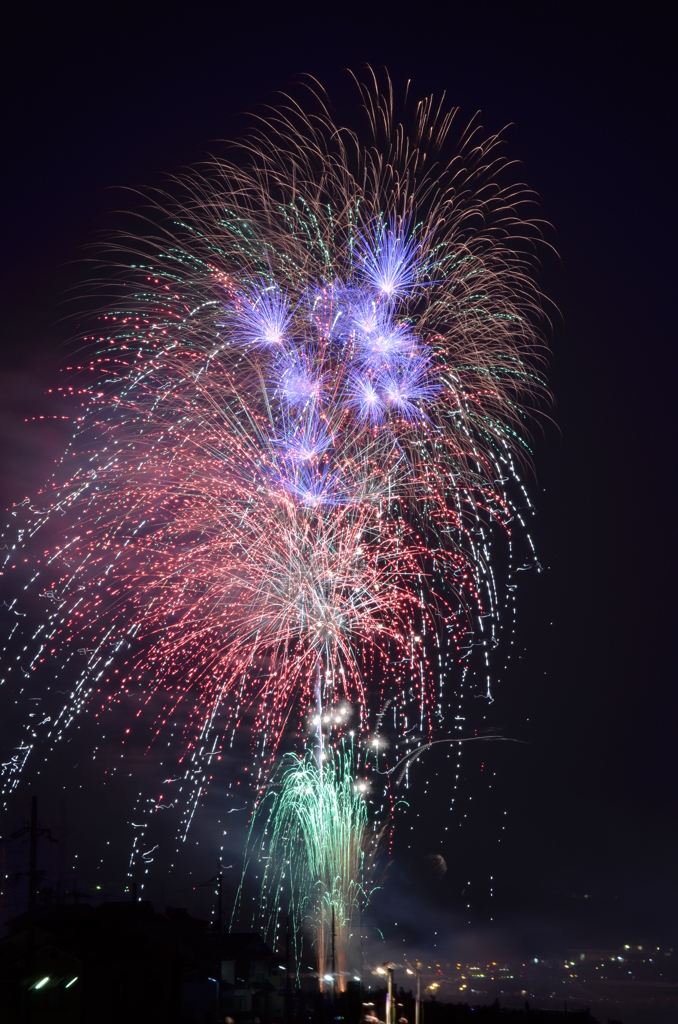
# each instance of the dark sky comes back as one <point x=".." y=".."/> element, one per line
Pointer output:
<point x="114" y="95"/>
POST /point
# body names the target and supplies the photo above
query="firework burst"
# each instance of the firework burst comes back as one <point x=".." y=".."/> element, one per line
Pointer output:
<point x="312" y="835"/>
<point x="303" y="432"/>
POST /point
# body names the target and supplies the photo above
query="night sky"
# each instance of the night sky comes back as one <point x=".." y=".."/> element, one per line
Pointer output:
<point x="585" y="807"/>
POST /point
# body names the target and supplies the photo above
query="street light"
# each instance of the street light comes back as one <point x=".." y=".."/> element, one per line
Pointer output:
<point x="390" y="1008"/>
<point x="417" y="1003"/>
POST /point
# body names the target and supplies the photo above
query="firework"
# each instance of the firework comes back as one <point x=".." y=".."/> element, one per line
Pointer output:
<point x="302" y="434"/>
<point x="312" y="831"/>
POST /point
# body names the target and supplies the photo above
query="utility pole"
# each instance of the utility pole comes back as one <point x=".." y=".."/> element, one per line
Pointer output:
<point x="219" y="904"/>
<point x="34" y="833"/>
<point x="362" y="959"/>
<point x="417" y="1004"/>
<point x="287" y="971"/>
<point x="389" y="995"/>
<point x="218" y="879"/>
<point x="333" y="960"/>
<point x="33" y="861"/>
